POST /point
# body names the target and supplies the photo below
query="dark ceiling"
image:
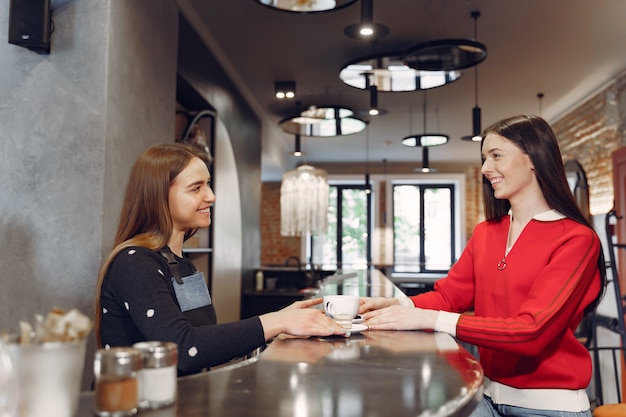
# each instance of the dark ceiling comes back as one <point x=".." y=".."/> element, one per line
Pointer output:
<point x="565" y="49"/>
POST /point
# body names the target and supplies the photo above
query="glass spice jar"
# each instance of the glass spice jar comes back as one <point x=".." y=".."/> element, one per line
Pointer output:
<point x="158" y="374"/>
<point x="116" y="384"/>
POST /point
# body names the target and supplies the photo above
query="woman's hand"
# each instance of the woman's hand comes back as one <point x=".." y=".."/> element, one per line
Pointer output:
<point x="376" y="303"/>
<point x="299" y="320"/>
<point x="304" y="303"/>
<point x="400" y="318"/>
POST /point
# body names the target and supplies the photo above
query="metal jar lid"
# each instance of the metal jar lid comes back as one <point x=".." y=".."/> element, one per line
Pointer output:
<point x="158" y="354"/>
<point x="118" y="361"/>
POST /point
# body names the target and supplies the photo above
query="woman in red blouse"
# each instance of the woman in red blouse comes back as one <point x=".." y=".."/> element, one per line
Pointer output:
<point x="529" y="273"/>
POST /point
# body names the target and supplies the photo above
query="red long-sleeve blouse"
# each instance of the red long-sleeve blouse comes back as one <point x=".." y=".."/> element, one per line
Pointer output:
<point x="525" y="315"/>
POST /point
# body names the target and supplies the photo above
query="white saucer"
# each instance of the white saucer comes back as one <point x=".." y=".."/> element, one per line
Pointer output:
<point x="357" y="328"/>
<point x="358" y="320"/>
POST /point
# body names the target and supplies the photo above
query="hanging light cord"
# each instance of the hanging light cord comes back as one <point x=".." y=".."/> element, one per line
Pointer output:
<point x="475" y="14"/>
<point x="367" y="149"/>
<point x="425" y="106"/>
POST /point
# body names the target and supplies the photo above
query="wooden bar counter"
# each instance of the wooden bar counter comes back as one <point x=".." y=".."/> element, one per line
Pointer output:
<point x="374" y="373"/>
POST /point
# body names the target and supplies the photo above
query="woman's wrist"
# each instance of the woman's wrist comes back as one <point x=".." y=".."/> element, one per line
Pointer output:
<point x="446" y="322"/>
<point x="406" y="302"/>
<point x="272" y="324"/>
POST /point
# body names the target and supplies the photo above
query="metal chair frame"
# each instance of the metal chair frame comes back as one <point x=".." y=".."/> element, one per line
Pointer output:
<point x="615" y="325"/>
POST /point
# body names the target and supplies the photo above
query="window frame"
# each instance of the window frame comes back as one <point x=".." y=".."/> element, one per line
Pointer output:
<point x="349" y="184"/>
<point x="422" y="186"/>
<point x="381" y="234"/>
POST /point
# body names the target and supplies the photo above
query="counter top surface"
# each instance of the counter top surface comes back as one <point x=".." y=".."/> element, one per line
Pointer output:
<point x="373" y="373"/>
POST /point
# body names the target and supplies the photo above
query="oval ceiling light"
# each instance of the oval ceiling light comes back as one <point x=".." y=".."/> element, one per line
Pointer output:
<point x="445" y="55"/>
<point x="306" y="6"/>
<point x="425" y="140"/>
<point x="323" y="122"/>
<point x="390" y="74"/>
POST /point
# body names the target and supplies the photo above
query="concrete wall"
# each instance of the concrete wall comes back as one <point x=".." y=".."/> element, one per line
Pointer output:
<point x="200" y="68"/>
<point x="71" y="125"/>
<point x="73" y="122"/>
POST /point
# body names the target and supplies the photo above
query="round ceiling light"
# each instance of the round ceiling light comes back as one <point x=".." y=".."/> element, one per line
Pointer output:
<point x="306" y="6"/>
<point x="323" y="122"/>
<point x="445" y="55"/>
<point x="425" y="140"/>
<point x="389" y="73"/>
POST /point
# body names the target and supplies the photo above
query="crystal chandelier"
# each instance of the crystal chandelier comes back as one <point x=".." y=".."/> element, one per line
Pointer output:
<point x="304" y="202"/>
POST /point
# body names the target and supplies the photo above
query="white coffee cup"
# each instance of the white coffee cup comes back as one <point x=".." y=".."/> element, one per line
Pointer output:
<point x="342" y="308"/>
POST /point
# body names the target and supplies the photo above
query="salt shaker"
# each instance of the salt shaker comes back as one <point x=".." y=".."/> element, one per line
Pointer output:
<point x="157" y="378"/>
<point x="117" y="388"/>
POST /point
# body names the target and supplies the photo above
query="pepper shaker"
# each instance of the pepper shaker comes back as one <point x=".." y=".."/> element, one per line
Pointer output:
<point x="116" y="390"/>
<point x="157" y="377"/>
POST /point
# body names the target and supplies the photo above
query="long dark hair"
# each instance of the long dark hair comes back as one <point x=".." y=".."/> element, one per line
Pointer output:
<point x="145" y="219"/>
<point x="535" y="138"/>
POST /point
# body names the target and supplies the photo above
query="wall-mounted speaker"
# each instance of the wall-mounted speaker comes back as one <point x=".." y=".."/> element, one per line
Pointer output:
<point x="30" y="24"/>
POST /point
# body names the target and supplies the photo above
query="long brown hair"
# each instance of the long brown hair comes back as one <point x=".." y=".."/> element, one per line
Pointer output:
<point x="145" y="219"/>
<point x="535" y="138"/>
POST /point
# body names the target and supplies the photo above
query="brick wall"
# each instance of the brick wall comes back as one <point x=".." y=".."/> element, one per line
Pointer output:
<point x="474" y="207"/>
<point x="275" y="249"/>
<point x="590" y="133"/>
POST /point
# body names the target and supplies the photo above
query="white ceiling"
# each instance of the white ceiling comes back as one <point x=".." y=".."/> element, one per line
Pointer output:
<point x="565" y="49"/>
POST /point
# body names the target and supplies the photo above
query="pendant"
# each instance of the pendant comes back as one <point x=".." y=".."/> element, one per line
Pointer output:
<point x="502" y="264"/>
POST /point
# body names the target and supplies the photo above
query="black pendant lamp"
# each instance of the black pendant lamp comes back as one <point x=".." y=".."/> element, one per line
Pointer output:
<point x="540" y="99"/>
<point x="373" y="110"/>
<point x="367" y="29"/>
<point x="476" y="111"/>
<point x="297" y="151"/>
<point x="425" y="165"/>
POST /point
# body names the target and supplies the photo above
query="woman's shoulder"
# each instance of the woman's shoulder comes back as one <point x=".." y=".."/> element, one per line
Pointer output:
<point x="139" y="251"/>
<point x="566" y="229"/>
<point x="138" y="255"/>
<point x="571" y="226"/>
<point x="136" y="262"/>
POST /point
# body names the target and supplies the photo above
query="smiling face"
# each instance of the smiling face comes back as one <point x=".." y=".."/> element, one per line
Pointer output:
<point x="191" y="197"/>
<point x="507" y="168"/>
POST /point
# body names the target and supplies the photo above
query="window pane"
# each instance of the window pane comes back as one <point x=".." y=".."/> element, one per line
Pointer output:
<point x="354" y="229"/>
<point x="406" y="228"/>
<point x="324" y="250"/>
<point x="437" y="228"/>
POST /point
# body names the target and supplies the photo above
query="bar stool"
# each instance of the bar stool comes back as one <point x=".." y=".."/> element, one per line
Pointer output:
<point x="610" y="410"/>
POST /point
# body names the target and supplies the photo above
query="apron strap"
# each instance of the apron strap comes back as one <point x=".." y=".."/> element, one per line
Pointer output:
<point x="172" y="263"/>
